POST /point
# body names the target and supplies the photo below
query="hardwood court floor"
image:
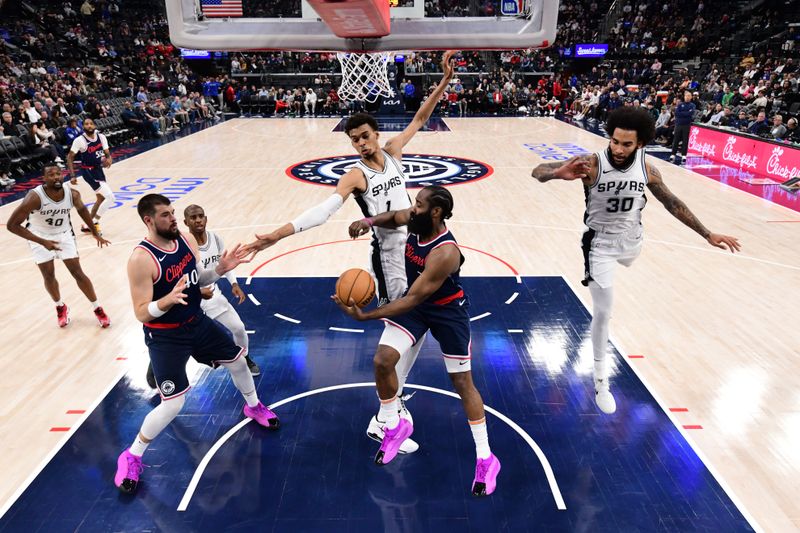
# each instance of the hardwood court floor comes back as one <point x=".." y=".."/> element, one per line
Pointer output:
<point x="716" y="331"/>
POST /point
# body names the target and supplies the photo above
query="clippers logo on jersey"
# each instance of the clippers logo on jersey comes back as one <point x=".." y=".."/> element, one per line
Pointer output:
<point x="420" y="170"/>
<point x="175" y="271"/>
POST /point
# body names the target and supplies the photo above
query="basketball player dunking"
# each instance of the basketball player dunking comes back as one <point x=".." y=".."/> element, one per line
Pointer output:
<point x="614" y="182"/>
<point x="434" y="301"/>
<point x="96" y="156"/>
<point x="165" y="288"/>
<point x="378" y="185"/>
<point x="49" y="232"/>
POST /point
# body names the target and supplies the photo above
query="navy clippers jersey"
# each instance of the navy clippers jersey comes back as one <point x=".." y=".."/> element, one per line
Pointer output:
<point x="417" y="254"/>
<point x="172" y="265"/>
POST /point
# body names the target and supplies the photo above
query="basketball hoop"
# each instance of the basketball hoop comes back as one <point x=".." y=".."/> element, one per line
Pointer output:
<point x="364" y="76"/>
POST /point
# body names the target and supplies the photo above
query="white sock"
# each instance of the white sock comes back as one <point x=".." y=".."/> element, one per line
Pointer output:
<point x="139" y="446"/>
<point x="480" y="434"/>
<point x="95" y="304"/>
<point x="601" y="315"/>
<point x="243" y="380"/>
<point x="389" y="412"/>
<point x="59" y="303"/>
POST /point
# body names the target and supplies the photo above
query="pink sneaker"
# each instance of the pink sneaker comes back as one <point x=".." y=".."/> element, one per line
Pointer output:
<point x="392" y="439"/>
<point x="486" y="476"/>
<point x="102" y="317"/>
<point x="263" y="415"/>
<point x="62" y="312"/>
<point x="129" y="468"/>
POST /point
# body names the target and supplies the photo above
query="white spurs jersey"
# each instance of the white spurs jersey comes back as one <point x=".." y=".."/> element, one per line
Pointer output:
<point x="615" y="201"/>
<point x="210" y="253"/>
<point x="386" y="191"/>
<point x="52" y="218"/>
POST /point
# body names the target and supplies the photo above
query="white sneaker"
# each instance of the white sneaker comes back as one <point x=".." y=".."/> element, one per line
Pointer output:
<point x="672" y="158"/>
<point x="375" y="429"/>
<point x="603" y="397"/>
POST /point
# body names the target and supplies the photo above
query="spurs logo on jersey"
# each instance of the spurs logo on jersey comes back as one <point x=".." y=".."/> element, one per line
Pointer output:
<point x="615" y="201"/>
<point x="52" y="218"/>
<point x="211" y="251"/>
<point x="386" y="191"/>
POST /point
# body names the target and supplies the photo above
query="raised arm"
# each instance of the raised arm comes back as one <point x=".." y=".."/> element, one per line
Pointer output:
<point x="679" y="210"/>
<point x="395" y="145"/>
<point x="352" y="182"/>
<point x="577" y="167"/>
<point x="440" y="263"/>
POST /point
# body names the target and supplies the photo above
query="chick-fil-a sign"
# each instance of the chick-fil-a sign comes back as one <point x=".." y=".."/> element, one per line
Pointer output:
<point x="777" y="161"/>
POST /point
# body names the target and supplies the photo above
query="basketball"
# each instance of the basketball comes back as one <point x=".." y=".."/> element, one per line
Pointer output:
<point x="356" y="284"/>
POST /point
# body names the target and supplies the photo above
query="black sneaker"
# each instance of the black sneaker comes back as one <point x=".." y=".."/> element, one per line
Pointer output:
<point x="151" y="378"/>
<point x="254" y="369"/>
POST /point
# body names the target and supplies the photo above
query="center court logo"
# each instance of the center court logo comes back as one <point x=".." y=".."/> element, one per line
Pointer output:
<point x="421" y="170"/>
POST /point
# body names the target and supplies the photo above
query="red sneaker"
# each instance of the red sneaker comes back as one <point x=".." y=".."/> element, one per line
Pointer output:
<point x="62" y="312"/>
<point x="102" y="317"/>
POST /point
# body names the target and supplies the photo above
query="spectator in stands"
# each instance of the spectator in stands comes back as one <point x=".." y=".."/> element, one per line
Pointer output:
<point x="31" y="113"/>
<point x="310" y="102"/>
<point x="663" y="128"/>
<point x="141" y="96"/>
<point x="792" y="131"/>
<point x="74" y="130"/>
<point x="45" y="142"/>
<point x="760" y="126"/>
<point x="684" y="114"/>
<point x="717" y="115"/>
<point x="778" y="131"/>
<point x="9" y="127"/>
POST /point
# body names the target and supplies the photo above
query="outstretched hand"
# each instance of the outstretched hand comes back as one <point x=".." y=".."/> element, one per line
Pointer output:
<point x="352" y="309"/>
<point x="262" y="242"/>
<point x="358" y="228"/>
<point x="726" y="242"/>
<point x="576" y="167"/>
<point x="230" y="259"/>
<point x="447" y="65"/>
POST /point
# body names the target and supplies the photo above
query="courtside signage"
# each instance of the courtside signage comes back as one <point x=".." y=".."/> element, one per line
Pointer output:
<point x="420" y="170"/>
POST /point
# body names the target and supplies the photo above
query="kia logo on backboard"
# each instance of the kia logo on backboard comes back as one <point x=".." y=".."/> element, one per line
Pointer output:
<point x="420" y="170"/>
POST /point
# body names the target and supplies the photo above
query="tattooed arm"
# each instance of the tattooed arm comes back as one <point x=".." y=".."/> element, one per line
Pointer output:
<point x="679" y="210"/>
<point x="578" y="167"/>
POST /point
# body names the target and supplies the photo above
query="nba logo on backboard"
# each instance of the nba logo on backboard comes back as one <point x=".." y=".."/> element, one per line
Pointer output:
<point x="511" y="7"/>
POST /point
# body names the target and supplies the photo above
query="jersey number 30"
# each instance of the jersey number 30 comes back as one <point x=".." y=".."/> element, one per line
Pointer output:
<point x="615" y="206"/>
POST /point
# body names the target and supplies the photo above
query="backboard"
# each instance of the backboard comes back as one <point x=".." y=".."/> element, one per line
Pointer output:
<point x="294" y="25"/>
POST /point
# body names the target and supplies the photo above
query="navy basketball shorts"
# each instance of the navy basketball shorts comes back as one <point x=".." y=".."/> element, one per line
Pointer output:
<point x="170" y="348"/>
<point x="449" y="325"/>
<point x="93" y="176"/>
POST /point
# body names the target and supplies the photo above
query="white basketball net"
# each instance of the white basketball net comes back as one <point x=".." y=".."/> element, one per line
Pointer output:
<point x="364" y="76"/>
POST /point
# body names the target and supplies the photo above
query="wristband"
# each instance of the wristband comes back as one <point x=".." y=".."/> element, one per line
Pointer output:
<point x="154" y="310"/>
<point x="368" y="220"/>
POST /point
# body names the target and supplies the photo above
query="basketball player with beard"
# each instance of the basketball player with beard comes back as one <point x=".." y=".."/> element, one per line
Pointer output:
<point x="165" y="286"/>
<point x="95" y="156"/>
<point x="45" y="212"/>
<point x="378" y="184"/>
<point x="435" y="302"/>
<point x="213" y="303"/>
<point x="614" y="182"/>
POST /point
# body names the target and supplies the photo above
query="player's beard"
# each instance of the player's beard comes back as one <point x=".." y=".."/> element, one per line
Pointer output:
<point x="626" y="164"/>
<point x="169" y="233"/>
<point x="421" y="224"/>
